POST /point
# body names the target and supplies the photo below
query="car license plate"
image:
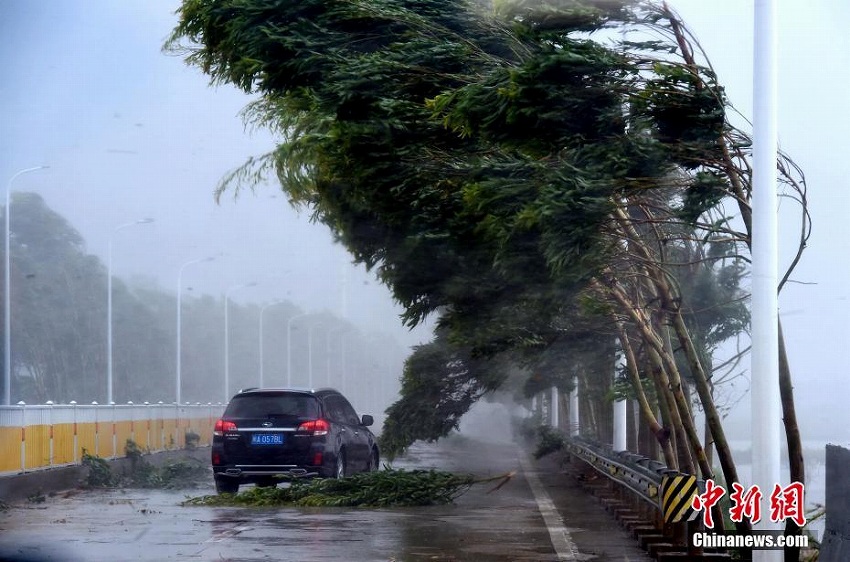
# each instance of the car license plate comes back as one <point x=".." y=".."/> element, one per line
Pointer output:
<point x="267" y="439"/>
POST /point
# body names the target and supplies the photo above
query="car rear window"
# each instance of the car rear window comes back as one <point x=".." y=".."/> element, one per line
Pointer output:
<point x="273" y="405"/>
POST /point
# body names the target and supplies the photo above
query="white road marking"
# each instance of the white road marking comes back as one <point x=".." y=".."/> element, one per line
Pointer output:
<point x="562" y="542"/>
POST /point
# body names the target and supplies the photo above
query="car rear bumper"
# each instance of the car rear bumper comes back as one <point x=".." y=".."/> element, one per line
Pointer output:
<point x="240" y="471"/>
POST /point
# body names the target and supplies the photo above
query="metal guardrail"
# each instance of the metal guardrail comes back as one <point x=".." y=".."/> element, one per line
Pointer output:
<point x="643" y="476"/>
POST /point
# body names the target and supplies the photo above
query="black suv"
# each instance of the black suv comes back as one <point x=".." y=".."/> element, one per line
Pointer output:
<point x="266" y="433"/>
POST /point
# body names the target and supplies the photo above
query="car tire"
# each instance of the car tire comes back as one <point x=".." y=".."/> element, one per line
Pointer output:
<point x="226" y="485"/>
<point x="373" y="461"/>
<point x="340" y="468"/>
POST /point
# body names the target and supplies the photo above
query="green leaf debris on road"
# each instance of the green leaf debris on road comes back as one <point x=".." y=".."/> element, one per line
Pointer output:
<point x="384" y="488"/>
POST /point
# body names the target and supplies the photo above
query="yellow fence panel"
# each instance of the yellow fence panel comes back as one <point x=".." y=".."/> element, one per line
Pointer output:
<point x="10" y="449"/>
<point x="86" y="439"/>
<point x="169" y="431"/>
<point x="142" y="436"/>
<point x="122" y="434"/>
<point x="37" y="446"/>
<point x="63" y="444"/>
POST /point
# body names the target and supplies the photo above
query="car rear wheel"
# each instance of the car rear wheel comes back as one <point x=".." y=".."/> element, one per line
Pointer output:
<point x="226" y="485"/>
<point x="340" y="465"/>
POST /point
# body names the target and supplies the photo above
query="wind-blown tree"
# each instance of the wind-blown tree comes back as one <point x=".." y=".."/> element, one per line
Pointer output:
<point x="439" y="384"/>
<point x="491" y="169"/>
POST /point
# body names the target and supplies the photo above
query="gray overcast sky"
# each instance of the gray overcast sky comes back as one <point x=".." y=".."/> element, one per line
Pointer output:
<point x="814" y="58"/>
<point x="131" y="133"/>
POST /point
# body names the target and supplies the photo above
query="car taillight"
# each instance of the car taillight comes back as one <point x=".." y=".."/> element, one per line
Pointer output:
<point x="223" y="425"/>
<point x="315" y="427"/>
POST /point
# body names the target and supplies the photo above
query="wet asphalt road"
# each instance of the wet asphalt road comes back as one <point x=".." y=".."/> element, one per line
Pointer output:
<point x="505" y="525"/>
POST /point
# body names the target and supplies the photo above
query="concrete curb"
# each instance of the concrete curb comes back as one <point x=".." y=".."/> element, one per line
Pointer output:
<point x="19" y="487"/>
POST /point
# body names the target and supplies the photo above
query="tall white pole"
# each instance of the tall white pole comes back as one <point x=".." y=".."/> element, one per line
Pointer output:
<point x="328" y="334"/>
<point x="262" y="311"/>
<point x="553" y="410"/>
<point x="574" y="423"/>
<point x="344" y="363"/>
<point x="619" y="441"/>
<point x="227" y="338"/>
<point x="766" y="410"/>
<point x="289" y="347"/>
<point x="178" y="380"/>
<point x="109" y="384"/>
<point x="328" y="357"/>
<point x="310" y="353"/>
<point x="7" y="316"/>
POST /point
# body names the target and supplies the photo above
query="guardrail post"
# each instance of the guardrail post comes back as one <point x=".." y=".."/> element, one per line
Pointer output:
<point x="210" y="422"/>
<point x="96" y="429"/>
<point x="50" y="432"/>
<point x="132" y="420"/>
<point x="161" y="432"/>
<point x="176" y="439"/>
<point x="23" y="406"/>
<point x="114" y="432"/>
<point x="148" y="424"/>
<point x="73" y="404"/>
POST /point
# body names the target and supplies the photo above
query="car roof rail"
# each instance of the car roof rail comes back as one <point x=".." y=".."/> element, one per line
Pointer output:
<point x="241" y="390"/>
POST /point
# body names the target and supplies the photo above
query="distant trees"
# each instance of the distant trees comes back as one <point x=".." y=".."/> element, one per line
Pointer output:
<point x="58" y="310"/>
<point x="59" y="329"/>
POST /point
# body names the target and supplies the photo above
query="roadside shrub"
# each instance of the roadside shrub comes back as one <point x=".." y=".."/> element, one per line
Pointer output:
<point x="187" y="473"/>
<point x="548" y="441"/>
<point x="99" y="473"/>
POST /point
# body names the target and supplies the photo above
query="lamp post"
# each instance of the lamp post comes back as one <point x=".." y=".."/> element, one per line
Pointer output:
<point x="262" y="311"/>
<point x="310" y="353"/>
<point x="289" y="347"/>
<point x="109" y="306"/>
<point x="178" y="381"/>
<point x="7" y="317"/>
<point x="328" y="350"/>
<point x="227" y="337"/>
<point x="344" y="362"/>
<point x="764" y="369"/>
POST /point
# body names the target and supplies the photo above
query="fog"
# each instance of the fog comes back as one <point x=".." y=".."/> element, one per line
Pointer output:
<point x="131" y="133"/>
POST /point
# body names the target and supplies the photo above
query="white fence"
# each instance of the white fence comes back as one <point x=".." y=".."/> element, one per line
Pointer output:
<point x="45" y="435"/>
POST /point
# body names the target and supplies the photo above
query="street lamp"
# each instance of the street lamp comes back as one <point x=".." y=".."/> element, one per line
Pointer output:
<point x="344" y="362"/>
<point x="310" y="353"/>
<point x="179" y="380"/>
<point x="328" y="349"/>
<point x="7" y="355"/>
<point x="109" y="307"/>
<point x="227" y="338"/>
<point x="262" y="311"/>
<point x="289" y="347"/>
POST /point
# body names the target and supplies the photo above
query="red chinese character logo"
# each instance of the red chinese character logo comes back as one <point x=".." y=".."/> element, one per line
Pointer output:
<point x="745" y="504"/>
<point x="713" y="494"/>
<point x="787" y="503"/>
